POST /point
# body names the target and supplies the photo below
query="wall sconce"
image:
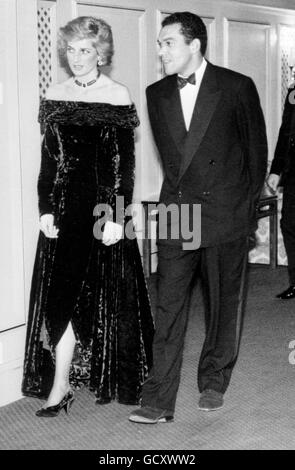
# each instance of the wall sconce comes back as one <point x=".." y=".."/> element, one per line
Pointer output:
<point x="291" y="63"/>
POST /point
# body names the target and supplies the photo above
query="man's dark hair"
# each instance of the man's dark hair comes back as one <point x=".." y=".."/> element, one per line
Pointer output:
<point x="191" y="26"/>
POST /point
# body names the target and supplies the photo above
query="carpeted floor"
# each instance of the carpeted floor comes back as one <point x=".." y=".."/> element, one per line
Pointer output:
<point x="259" y="410"/>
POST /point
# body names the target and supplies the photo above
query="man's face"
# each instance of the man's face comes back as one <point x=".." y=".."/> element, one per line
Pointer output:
<point x="177" y="56"/>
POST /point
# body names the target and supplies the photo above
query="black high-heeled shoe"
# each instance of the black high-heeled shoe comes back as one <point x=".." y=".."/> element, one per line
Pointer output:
<point x="52" y="411"/>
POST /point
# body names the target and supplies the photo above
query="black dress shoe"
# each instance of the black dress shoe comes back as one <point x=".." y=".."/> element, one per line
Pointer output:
<point x="53" y="411"/>
<point x="287" y="294"/>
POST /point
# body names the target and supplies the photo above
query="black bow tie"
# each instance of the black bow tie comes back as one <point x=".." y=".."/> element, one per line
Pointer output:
<point x="181" y="81"/>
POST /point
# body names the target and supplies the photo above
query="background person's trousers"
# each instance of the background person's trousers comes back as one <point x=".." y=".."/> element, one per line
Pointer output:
<point x="288" y="231"/>
<point x="222" y="269"/>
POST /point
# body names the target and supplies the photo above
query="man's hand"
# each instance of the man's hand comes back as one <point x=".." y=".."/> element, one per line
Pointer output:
<point x="112" y="233"/>
<point x="47" y="226"/>
<point x="273" y="181"/>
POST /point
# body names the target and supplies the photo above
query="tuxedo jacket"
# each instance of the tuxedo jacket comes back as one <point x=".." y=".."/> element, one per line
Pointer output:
<point x="220" y="163"/>
<point x="283" y="162"/>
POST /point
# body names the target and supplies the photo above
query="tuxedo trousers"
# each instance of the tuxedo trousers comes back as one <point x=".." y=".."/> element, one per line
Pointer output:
<point x="222" y="270"/>
<point x="288" y="228"/>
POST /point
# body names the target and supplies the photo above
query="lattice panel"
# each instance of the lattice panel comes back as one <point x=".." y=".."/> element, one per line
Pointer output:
<point x="285" y="76"/>
<point x="287" y="41"/>
<point x="45" y="46"/>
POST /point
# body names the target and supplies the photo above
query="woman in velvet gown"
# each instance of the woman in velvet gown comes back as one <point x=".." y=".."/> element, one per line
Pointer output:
<point x="89" y="317"/>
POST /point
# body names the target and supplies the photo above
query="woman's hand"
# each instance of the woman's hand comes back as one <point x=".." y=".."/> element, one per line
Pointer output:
<point x="47" y="226"/>
<point x="112" y="233"/>
<point x="273" y="181"/>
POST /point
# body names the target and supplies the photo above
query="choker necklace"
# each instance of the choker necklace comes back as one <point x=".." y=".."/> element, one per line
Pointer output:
<point x="84" y="85"/>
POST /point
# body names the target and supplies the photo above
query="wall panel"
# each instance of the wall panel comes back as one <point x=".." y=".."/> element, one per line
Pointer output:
<point x="247" y="53"/>
<point x="19" y="158"/>
<point x="11" y="274"/>
<point x="128" y="63"/>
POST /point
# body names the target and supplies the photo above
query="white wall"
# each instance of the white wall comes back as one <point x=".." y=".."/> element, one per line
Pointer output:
<point x="19" y="160"/>
<point x="283" y="4"/>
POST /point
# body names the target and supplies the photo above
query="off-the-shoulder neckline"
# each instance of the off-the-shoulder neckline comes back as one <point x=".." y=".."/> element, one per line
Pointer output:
<point x="84" y="112"/>
<point x="97" y="103"/>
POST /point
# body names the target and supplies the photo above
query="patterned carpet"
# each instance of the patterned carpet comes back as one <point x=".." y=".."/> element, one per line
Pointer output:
<point x="259" y="410"/>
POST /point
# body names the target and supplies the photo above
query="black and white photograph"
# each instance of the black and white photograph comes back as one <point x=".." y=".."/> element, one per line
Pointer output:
<point x="147" y="242"/>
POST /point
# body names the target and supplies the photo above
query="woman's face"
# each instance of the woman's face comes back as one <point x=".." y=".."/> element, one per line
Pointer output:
<point x="82" y="57"/>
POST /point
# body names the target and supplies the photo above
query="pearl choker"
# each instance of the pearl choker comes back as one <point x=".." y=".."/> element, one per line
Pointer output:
<point x="84" y="85"/>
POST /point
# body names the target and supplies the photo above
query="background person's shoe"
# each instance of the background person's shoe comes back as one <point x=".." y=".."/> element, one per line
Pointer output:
<point x="148" y="415"/>
<point x="287" y="294"/>
<point x="210" y="400"/>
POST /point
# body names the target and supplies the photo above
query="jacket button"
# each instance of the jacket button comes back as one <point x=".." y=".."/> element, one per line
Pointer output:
<point x="179" y="193"/>
<point x="212" y="162"/>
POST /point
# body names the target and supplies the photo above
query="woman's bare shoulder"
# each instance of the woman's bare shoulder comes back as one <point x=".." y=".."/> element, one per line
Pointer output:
<point x="120" y="93"/>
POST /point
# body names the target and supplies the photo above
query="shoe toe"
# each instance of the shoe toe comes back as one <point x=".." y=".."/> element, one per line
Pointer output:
<point x="45" y="413"/>
<point x="210" y="400"/>
<point x="287" y="294"/>
<point x="147" y="415"/>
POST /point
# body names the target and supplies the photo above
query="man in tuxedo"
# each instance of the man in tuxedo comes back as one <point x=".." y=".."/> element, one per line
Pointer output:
<point x="282" y="172"/>
<point x="209" y="129"/>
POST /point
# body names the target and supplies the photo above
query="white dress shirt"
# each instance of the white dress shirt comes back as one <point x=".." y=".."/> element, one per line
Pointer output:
<point x="189" y="93"/>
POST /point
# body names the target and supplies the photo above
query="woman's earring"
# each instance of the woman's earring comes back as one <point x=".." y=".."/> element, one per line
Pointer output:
<point x="99" y="61"/>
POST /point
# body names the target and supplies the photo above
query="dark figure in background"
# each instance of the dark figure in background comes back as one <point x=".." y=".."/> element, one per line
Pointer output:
<point x="88" y="295"/>
<point x="282" y="172"/>
<point x="209" y="129"/>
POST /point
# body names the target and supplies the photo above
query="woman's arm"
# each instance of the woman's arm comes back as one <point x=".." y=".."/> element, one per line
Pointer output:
<point x="45" y="184"/>
<point x="47" y="172"/>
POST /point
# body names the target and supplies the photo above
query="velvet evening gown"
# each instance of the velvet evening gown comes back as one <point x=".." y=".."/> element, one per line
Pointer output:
<point x="88" y="159"/>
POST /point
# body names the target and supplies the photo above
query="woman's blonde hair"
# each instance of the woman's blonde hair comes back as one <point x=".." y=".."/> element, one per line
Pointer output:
<point x="87" y="27"/>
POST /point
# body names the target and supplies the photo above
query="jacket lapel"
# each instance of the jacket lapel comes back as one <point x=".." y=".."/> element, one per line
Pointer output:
<point x="206" y="103"/>
<point x="171" y="107"/>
